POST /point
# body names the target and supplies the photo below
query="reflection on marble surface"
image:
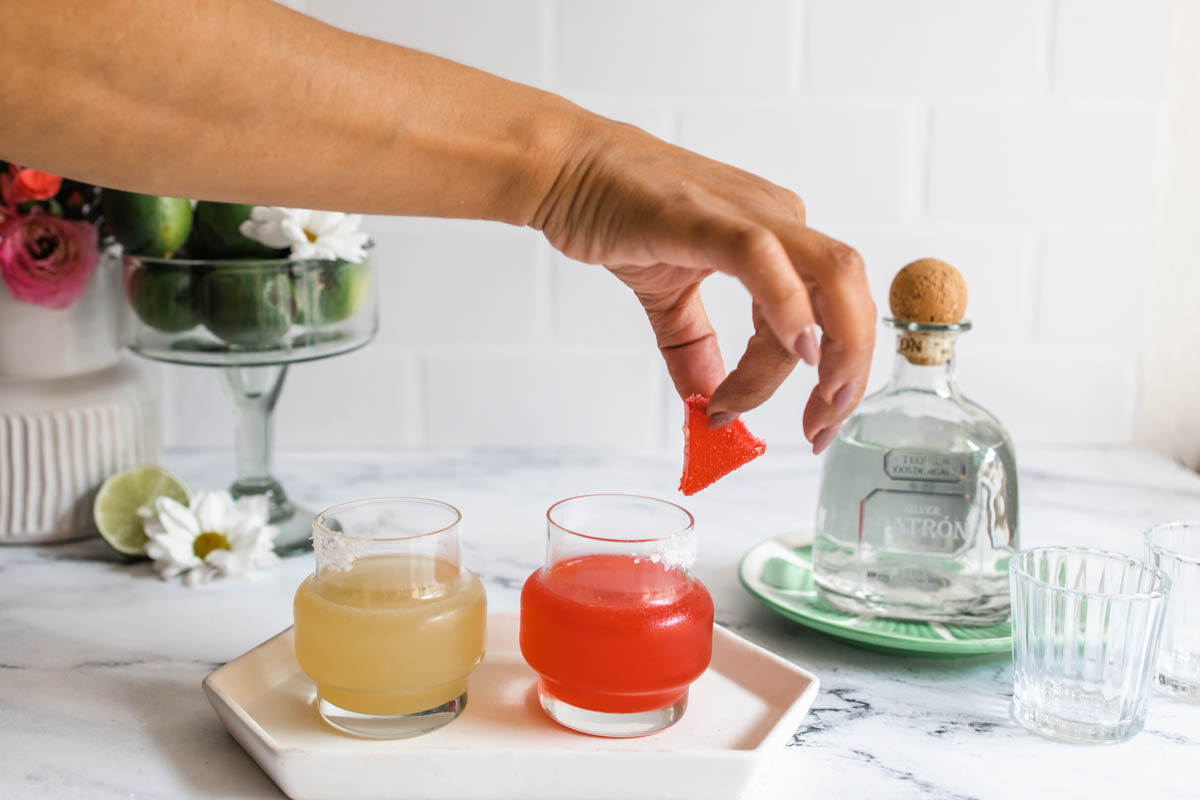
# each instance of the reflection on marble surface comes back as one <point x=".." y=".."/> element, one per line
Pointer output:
<point x="100" y="662"/>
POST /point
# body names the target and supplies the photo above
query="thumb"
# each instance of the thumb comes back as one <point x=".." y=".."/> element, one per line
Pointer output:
<point x="683" y="331"/>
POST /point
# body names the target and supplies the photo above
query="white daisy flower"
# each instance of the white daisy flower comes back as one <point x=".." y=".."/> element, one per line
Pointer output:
<point x="211" y="536"/>
<point x="309" y="234"/>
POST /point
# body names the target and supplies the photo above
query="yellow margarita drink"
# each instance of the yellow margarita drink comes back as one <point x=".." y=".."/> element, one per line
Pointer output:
<point x="391" y="625"/>
<point x="395" y="634"/>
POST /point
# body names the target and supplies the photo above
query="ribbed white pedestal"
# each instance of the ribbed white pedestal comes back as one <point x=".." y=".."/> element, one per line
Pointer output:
<point x="59" y="440"/>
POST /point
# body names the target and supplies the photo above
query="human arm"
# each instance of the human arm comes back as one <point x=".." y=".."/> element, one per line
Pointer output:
<point x="245" y="100"/>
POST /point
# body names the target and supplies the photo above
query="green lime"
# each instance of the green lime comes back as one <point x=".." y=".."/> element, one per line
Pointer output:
<point x="215" y="232"/>
<point x="332" y="293"/>
<point x="248" y="304"/>
<point x="120" y="499"/>
<point x="162" y="296"/>
<point x="147" y="224"/>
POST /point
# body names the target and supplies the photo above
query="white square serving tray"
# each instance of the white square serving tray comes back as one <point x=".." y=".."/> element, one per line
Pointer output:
<point x="741" y="712"/>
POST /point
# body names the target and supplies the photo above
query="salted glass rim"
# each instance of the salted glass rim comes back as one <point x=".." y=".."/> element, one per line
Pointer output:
<point x="1164" y="550"/>
<point x="1163" y="579"/>
<point x="689" y="528"/>
<point x="318" y="520"/>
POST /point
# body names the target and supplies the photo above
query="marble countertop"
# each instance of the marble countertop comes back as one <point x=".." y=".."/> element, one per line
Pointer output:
<point x="101" y="662"/>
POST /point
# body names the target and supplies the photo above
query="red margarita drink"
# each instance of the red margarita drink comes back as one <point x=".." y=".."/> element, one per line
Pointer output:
<point x="615" y="624"/>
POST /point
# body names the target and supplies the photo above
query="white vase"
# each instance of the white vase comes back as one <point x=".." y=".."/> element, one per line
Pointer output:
<point x="37" y="342"/>
<point x="72" y="411"/>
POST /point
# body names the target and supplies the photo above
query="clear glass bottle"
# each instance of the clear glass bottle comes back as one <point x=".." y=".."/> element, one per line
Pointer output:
<point x="917" y="516"/>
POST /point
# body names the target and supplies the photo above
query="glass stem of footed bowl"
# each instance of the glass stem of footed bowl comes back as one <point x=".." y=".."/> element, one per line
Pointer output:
<point x="254" y="391"/>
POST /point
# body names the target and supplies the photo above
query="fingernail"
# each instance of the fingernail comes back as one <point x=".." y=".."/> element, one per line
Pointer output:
<point x="721" y="419"/>
<point x="843" y="399"/>
<point x="807" y="346"/>
<point x="823" y="439"/>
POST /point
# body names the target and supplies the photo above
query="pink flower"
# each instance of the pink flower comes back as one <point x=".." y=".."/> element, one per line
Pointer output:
<point x="45" y="260"/>
<point x="22" y="185"/>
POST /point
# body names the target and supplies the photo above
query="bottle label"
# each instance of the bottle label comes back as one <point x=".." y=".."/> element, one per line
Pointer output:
<point x="926" y="467"/>
<point x="921" y="523"/>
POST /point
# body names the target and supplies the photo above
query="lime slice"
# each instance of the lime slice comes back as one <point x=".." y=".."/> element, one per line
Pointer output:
<point x="122" y="496"/>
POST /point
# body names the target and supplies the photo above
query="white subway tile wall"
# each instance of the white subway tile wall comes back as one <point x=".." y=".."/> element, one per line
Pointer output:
<point x="848" y="160"/>
<point x="1111" y="47"/>
<point x="1054" y="162"/>
<point x="459" y="282"/>
<point x="928" y="47"/>
<point x="696" y="47"/>
<point x="1017" y="139"/>
<point x="500" y="36"/>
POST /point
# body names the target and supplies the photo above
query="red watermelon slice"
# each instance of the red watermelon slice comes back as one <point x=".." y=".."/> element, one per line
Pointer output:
<point x="708" y="455"/>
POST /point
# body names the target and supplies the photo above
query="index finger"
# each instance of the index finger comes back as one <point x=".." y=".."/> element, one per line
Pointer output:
<point x="757" y="256"/>
<point x="762" y="368"/>
<point x="842" y="304"/>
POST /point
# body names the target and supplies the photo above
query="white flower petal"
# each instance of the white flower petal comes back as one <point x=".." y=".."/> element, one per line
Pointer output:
<point x="176" y="548"/>
<point x="172" y="531"/>
<point x="152" y="527"/>
<point x="335" y="233"/>
<point x="254" y="507"/>
<point x="339" y="247"/>
<point x="173" y="516"/>
<point x="250" y="536"/>
<point x="260" y="551"/>
<point x="163" y="563"/>
<point x="274" y="226"/>
<point x="236" y="518"/>
<point x="263" y="213"/>
<point x="172" y="554"/>
<point x="308" y="250"/>
<point x="198" y="576"/>
<point x="322" y="222"/>
<point x="211" y="510"/>
<point x="255" y="543"/>
<point x="268" y="235"/>
<point x="292" y="228"/>
<point x="224" y="562"/>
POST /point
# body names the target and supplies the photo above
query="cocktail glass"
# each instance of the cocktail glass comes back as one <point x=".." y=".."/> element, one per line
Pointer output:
<point x="391" y="624"/>
<point x="250" y="319"/>
<point x="615" y="624"/>
<point x="1175" y="548"/>
<point x="1085" y="633"/>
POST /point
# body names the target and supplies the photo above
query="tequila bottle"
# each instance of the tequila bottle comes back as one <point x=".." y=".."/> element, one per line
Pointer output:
<point x="917" y="516"/>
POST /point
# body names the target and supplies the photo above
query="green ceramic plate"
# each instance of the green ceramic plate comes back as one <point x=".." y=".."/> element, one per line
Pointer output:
<point x="779" y="573"/>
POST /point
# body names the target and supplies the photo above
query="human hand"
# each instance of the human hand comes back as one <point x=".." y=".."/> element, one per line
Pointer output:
<point x="662" y="219"/>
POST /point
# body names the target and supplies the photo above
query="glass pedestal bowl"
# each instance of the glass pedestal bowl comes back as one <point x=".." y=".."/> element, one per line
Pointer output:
<point x="250" y="318"/>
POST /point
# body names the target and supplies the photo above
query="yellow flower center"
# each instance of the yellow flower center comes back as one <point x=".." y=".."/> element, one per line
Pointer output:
<point x="312" y="237"/>
<point x="207" y="542"/>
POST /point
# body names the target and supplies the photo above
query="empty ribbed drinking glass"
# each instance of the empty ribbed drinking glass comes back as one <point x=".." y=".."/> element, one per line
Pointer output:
<point x="1175" y="548"/>
<point x="1086" y="627"/>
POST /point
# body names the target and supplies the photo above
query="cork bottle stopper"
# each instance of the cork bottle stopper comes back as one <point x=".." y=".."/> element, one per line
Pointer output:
<point x="928" y="291"/>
